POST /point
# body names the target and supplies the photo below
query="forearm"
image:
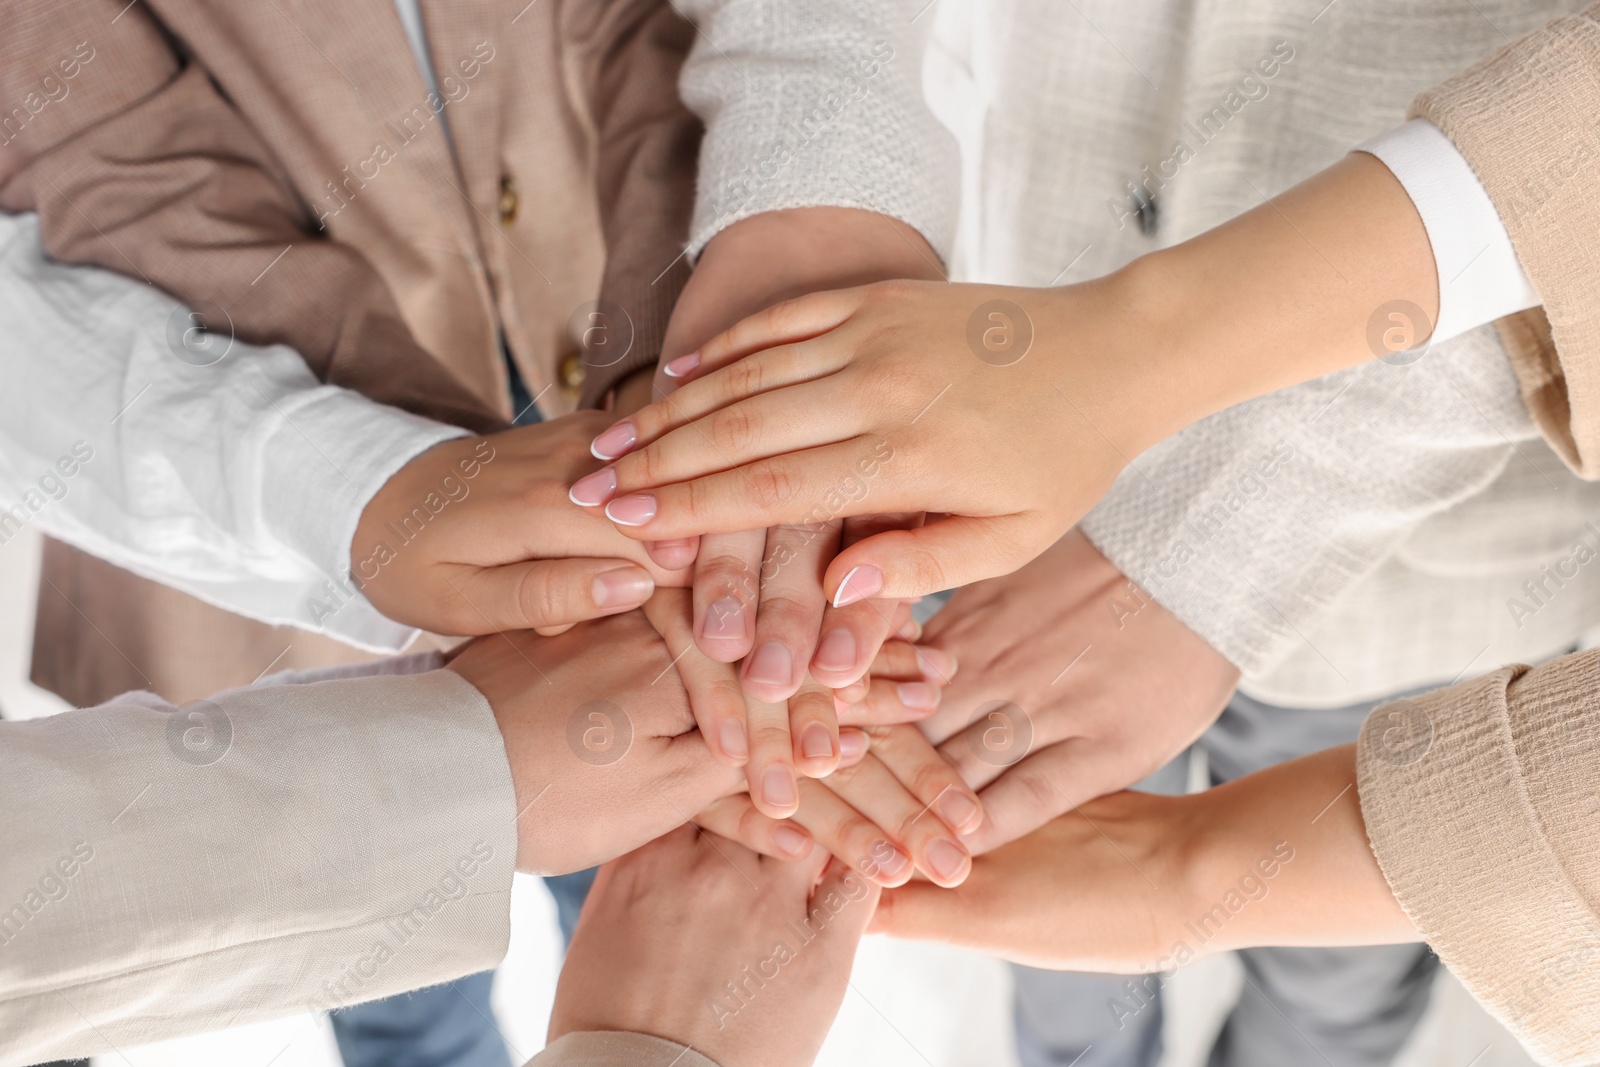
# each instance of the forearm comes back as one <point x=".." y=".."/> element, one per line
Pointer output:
<point x="1297" y="288"/>
<point x="1282" y="858"/>
<point x="239" y="482"/>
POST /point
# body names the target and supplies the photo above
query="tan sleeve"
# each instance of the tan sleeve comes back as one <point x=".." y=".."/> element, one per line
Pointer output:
<point x="1528" y="120"/>
<point x="1480" y="802"/>
<point x="143" y="167"/>
<point x="648" y="142"/>
<point x="613" y="1049"/>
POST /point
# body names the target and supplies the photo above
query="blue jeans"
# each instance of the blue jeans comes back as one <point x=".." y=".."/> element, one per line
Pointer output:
<point x="450" y="1025"/>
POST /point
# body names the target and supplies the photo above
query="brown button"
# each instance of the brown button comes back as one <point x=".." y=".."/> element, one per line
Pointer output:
<point x="573" y="372"/>
<point x="508" y="201"/>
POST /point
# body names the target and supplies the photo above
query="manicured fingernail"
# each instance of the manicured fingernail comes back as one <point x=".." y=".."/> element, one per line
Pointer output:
<point x="862" y="582"/>
<point x="635" y="510"/>
<point x="682" y="365"/>
<point x="625" y="585"/>
<point x="957" y="809"/>
<point x="771" y="665"/>
<point x="837" y="650"/>
<point x="594" y="489"/>
<point x="852" y="745"/>
<point x="891" y="862"/>
<point x="614" y="442"/>
<point x="920" y="696"/>
<point x="791" y="842"/>
<point x="731" y="736"/>
<point x="777" y="788"/>
<point x="724" y="618"/>
<point x="816" y="742"/>
<point x="936" y="665"/>
<point x="946" y="858"/>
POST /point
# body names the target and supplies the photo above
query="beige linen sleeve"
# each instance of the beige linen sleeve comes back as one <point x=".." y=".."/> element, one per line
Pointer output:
<point x="1480" y="802"/>
<point x="594" y="1048"/>
<point x="168" y="871"/>
<point x="1528" y="121"/>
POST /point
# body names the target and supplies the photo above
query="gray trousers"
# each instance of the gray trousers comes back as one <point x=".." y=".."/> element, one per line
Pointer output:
<point x="1334" y="1007"/>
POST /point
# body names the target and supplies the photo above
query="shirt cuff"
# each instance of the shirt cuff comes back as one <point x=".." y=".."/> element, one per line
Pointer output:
<point x="330" y="454"/>
<point x="1480" y="278"/>
<point x="614" y="1048"/>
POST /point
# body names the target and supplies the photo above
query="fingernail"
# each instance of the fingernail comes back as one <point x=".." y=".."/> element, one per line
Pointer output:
<point x="862" y="582"/>
<point x="594" y="489"/>
<point x="918" y="695"/>
<point x="891" y="861"/>
<point x="771" y="665"/>
<point x="682" y="365"/>
<point x="936" y="665"/>
<point x="777" y="788"/>
<point x="731" y="736"/>
<point x="724" y="618"/>
<point x="635" y="510"/>
<point x="852" y="744"/>
<point x="957" y="809"/>
<point x="837" y="650"/>
<point x="791" y="842"/>
<point x="625" y="585"/>
<point x="816" y="742"/>
<point x="946" y="858"/>
<point x="615" y="441"/>
<point x="911" y="631"/>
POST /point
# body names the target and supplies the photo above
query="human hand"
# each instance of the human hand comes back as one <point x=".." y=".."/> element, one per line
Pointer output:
<point x="771" y="741"/>
<point x="1011" y="410"/>
<point x="1074" y="683"/>
<point x="477" y="535"/>
<point x="603" y="749"/>
<point x="881" y="385"/>
<point x="899" y="808"/>
<point x="758" y="593"/>
<point x="1136" y="883"/>
<point x="664" y="911"/>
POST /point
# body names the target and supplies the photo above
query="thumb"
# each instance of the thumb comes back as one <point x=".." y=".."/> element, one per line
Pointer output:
<point x="944" y="554"/>
<point x="550" y="593"/>
<point x="922" y="911"/>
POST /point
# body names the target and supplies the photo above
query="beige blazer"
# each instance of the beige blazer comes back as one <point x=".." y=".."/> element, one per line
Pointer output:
<point x="284" y="169"/>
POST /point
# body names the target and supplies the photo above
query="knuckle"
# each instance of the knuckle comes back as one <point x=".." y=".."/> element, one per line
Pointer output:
<point x="772" y="486"/>
<point x="771" y="736"/>
<point x="734" y="429"/>
<point x="743" y="378"/>
<point x="539" y="600"/>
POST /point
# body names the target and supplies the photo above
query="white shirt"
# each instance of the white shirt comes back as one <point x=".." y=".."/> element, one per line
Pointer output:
<point x="1480" y="279"/>
<point x="240" y="483"/>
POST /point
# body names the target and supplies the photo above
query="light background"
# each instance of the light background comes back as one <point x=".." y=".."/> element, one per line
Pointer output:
<point x="911" y="1005"/>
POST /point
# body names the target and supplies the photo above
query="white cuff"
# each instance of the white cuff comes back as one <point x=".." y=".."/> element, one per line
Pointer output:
<point x="325" y="460"/>
<point x="1480" y="279"/>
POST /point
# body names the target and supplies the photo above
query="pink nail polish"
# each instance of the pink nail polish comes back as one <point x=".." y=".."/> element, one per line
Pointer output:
<point x="614" y="442"/>
<point x="862" y="582"/>
<point x="635" y="510"/>
<point x="594" y="489"/>
<point x="682" y="365"/>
